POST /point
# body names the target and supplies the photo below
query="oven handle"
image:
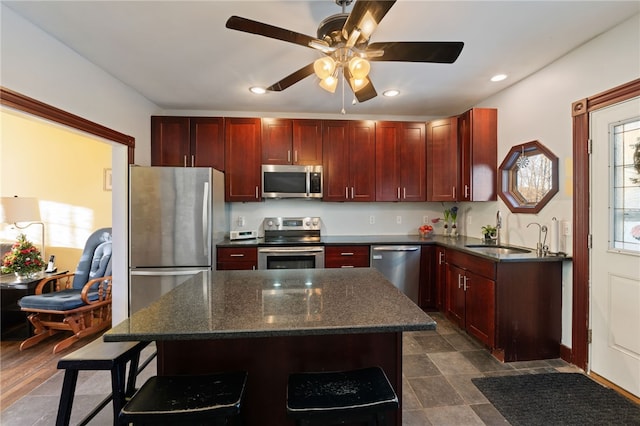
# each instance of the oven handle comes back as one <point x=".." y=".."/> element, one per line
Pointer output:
<point x="291" y="250"/>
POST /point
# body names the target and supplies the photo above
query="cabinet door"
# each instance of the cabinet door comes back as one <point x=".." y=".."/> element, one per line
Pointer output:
<point x="478" y="133"/>
<point x="388" y="161"/>
<point x="335" y="161"/>
<point x="480" y="307"/>
<point x="277" y="135"/>
<point x="307" y="142"/>
<point x="242" y="159"/>
<point x="455" y="302"/>
<point x="428" y="287"/>
<point x="442" y="160"/>
<point x="362" y="161"/>
<point x="413" y="181"/>
<point x="440" y="277"/>
<point x="207" y="142"/>
<point x="170" y="141"/>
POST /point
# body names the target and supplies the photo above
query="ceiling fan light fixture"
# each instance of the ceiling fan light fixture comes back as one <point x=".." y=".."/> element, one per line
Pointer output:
<point x="359" y="67"/>
<point x="358" y="83"/>
<point x="329" y="84"/>
<point x="324" y="67"/>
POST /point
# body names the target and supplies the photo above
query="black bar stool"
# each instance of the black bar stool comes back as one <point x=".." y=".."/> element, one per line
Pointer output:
<point x="326" y="398"/>
<point x="187" y="400"/>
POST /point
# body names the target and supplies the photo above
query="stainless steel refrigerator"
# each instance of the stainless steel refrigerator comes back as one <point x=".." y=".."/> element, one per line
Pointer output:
<point x="176" y="214"/>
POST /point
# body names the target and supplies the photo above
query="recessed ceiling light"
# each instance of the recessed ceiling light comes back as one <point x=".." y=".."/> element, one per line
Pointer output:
<point x="498" y="77"/>
<point x="391" y="93"/>
<point x="257" y="90"/>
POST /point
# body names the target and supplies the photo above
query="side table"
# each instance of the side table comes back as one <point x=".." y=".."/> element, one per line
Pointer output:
<point x="14" y="324"/>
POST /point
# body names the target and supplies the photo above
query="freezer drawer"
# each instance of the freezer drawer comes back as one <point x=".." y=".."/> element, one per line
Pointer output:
<point x="401" y="266"/>
<point x="147" y="286"/>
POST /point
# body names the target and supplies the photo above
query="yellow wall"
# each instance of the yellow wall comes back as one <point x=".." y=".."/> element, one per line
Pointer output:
<point x="64" y="170"/>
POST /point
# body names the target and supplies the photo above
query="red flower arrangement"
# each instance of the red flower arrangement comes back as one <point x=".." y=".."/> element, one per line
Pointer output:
<point x="23" y="258"/>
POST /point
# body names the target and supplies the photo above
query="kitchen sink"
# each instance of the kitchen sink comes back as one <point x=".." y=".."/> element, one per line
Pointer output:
<point x="498" y="250"/>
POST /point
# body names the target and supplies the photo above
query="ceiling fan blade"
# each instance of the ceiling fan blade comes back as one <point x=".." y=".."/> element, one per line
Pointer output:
<point x="364" y="17"/>
<point x="292" y="79"/>
<point x="270" y="31"/>
<point x="364" y="93"/>
<point x="444" y="52"/>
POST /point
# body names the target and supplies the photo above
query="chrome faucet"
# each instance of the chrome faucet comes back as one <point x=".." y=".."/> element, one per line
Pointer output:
<point x="498" y="226"/>
<point x="541" y="248"/>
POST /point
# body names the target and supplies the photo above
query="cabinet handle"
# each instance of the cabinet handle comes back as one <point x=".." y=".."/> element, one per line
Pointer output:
<point x="404" y="193"/>
<point x="466" y="191"/>
<point x="236" y="255"/>
<point x="398" y="193"/>
<point x="441" y="258"/>
<point x="295" y="156"/>
<point x="352" y="192"/>
<point x="347" y="266"/>
<point x="453" y="191"/>
<point x="184" y="160"/>
<point x="466" y="286"/>
<point x="193" y="161"/>
<point x="346" y="193"/>
<point x="288" y="156"/>
<point x="346" y="254"/>
<point x="459" y="281"/>
<point x="256" y="191"/>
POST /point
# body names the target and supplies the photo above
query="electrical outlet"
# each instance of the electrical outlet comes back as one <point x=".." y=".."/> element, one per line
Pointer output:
<point x="241" y="221"/>
<point x="468" y="219"/>
<point x="398" y="220"/>
<point x="372" y="220"/>
<point x="566" y="227"/>
<point x="425" y="220"/>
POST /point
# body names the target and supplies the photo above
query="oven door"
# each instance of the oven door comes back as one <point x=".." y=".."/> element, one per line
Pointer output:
<point x="290" y="257"/>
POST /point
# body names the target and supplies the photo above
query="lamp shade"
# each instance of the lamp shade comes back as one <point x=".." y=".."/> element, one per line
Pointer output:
<point x="324" y="67"/>
<point x="359" y="67"/>
<point x="20" y="209"/>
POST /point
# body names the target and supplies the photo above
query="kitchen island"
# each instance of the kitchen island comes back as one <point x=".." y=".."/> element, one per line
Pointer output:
<point x="276" y="322"/>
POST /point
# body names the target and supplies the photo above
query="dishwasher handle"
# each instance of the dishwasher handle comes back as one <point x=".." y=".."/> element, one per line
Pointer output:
<point x="395" y="248"/>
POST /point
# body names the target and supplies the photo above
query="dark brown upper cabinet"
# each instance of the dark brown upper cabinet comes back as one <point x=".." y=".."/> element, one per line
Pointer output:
<point x="187" y="141"/>
<point x="528" y="177"/>
<point x="348" y="160"/>
<point x="442" y="160"/>
<point x="400" y="161"/>
<point x="286" y="141"/>
<point x="242" y="149"/>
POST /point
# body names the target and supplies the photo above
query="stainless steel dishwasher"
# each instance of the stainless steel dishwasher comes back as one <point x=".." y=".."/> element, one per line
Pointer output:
<point x="401" y="266"/>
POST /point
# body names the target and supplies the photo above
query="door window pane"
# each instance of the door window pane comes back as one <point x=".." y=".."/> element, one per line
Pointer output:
<point x="625" y="214"/>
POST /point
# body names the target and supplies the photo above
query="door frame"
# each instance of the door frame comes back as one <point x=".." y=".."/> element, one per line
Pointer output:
<point x="581" y="214"/>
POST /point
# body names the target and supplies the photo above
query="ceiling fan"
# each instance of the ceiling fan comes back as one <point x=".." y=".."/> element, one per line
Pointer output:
<point x="344" y="40"/>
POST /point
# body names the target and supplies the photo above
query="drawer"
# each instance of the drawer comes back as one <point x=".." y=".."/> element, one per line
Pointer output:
<point x="239" y="254"/>
<point x="346" y="256"/>
<point x="472" y="263"/>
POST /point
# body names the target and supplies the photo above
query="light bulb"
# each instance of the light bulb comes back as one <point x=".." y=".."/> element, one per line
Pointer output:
<point x="329" y="84"/>
<point x="358" y="83"/>
<point x="324" y="67"/>
<point x="359" y="67"/>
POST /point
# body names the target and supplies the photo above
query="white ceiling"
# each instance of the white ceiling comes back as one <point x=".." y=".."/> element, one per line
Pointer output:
<point x="179" y="54"/>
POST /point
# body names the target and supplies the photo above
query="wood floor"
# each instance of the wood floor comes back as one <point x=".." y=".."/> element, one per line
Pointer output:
<point x="23" y="371"/>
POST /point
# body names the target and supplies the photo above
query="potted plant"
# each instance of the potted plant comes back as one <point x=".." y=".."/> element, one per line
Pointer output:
<point x="489" y="232"/>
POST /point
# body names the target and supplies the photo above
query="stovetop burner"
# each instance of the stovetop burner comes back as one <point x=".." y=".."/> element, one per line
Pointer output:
<point x="291" y="229"/>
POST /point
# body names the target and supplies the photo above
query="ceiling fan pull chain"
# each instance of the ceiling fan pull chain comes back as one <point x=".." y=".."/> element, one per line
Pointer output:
<point x="342" y="75"/>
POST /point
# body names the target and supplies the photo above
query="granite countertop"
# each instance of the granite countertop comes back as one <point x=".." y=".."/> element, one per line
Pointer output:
<point x="241" y="304"/>
<point x="458" y="243"/>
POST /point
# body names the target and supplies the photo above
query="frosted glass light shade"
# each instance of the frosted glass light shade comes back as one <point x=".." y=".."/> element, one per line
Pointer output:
<point x="329" y="84"/>
<point x="324" y="67"/>
<point x="359" y="68"/>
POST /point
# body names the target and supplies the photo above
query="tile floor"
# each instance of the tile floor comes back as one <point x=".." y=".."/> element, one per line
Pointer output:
<point x="438" y="368"/>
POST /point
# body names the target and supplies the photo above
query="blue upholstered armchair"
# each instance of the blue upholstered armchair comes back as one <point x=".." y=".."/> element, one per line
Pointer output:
<point x="79" y="302"/>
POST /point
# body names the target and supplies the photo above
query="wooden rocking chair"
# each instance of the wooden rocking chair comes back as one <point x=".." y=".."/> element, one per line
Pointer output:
<point x="79" y="302"/>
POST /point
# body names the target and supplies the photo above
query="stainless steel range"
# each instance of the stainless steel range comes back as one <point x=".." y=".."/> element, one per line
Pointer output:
<point x="293" y="243"/>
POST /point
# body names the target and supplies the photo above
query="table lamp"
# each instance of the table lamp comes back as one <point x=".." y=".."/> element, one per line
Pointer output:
<point x="23" y="209"/>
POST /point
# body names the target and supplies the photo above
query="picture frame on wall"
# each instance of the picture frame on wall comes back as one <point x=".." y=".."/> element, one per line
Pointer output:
<point x="107" y="180"/>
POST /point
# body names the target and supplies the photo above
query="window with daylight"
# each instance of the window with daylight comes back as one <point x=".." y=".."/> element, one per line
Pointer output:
<point x="625" y="215"/>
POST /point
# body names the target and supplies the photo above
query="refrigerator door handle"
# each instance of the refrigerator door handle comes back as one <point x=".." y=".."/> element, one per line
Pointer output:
<point x="167" y="273"/>
<point x="205" y="221"/>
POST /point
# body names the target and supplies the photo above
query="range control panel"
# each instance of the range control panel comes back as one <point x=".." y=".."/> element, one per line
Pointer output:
<point x="291" y="223"/>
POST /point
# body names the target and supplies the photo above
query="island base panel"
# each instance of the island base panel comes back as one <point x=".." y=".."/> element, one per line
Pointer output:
<point x="270" y="360"/>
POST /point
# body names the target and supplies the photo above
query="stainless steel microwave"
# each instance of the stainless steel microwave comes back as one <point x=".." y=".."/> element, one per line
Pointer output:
<point x="289" y="181"/>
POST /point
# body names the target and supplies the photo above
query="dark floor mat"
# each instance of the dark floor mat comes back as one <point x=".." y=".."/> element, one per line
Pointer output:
<point x="557" y="399"/>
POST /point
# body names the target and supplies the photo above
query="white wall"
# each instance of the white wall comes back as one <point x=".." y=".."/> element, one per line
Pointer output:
<point x="39" y="66"/>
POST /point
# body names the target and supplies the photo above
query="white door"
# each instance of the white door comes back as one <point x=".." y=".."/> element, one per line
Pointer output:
<point x="615" y="253"/>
